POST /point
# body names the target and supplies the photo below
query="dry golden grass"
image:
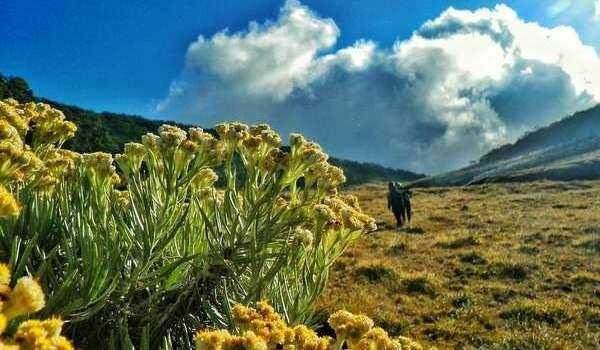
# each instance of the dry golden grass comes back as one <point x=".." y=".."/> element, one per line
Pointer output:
<point x="502" y="266"/>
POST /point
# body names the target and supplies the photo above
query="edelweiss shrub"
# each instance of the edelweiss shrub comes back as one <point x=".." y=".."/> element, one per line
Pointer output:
<point x="24" y="298"/>
<point x="263" y="329"/>
<point x="37" y="164"/>
<point x="164" y="237"/>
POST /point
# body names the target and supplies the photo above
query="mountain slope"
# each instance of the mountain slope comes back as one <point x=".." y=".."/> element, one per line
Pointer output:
<point x="581" y="125"/>
<point x="565" y="150"/>
<point x="108" y="132"/>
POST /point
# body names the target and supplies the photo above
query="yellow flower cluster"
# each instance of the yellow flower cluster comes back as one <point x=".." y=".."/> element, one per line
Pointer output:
<point x="27" y="297"/>
<point x="173" y="152"/>
<point x="100" y="169"/>
<point x="47" y="124"/>
<point x="8" y="203"/>
<point x="308" y="159"/>
<point x="329" y="217"/>
<point x="344" y="210"/>
<point x="131" y="159"/>
<point x="358" y="333"/>
<point x="303" y="236"/>
<point x="349" y="327"/>
<point x="256" y="148"/>
<point x="40" y="163"/>
<point x="205" y="178"/>
<point x="190" y="155"/>
<point x="261" y="328"/>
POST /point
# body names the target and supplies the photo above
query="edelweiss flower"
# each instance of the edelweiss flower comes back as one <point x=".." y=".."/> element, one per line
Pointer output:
<point x="304" y="236"/>
<point x="8" y="204"/>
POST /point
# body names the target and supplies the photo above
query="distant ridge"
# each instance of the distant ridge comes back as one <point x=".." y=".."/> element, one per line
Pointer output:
<point x="108" y="132"/>
<point x="581" y="125"/>
<point x="568" y="149"/>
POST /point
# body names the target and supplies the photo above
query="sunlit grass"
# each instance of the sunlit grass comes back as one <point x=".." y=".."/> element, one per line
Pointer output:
<point x="509" y="266"/>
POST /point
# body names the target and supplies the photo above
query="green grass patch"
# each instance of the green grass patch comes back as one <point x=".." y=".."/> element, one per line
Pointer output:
<point x="458" y="242"/>
<point x="421" y="283"/>
<point x="592" y="315"/>
<point x="529" y="249"/>
<point x="395" y="325"/>
<point x="539" y="340"/>
<point x="472" y="257"/>
<point x="414" y="230"/>
<point x="591" y="242"/>
<point x="461" y="300"/>
<point x="397" y="249"/>
<point x="583" y="278"/>
<point x="527" y="311"/>
<point x="375" y="273"/>
<point x="509" y="269"/>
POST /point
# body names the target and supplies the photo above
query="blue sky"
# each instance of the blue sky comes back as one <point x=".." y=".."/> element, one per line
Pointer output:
<point x="422" y="85"/>
<point x="121" y="55"/>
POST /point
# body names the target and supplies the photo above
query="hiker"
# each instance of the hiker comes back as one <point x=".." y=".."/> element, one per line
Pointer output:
<point x="399" y="203"/>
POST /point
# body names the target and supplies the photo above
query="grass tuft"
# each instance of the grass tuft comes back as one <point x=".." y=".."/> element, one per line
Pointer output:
<point x="592" y="315"/>
<point x="505" y="268"/>
<point x="539" y="340"/>
<point x="461" y="300"/>
<point x="591" y="242"/>
<point x="526" y="311"/>
<point x="529" y="249"/>
<point x="421" y="283"/>
<point x="375" y="273"/>
<point x="583" y="278"/>
<point x="458" y="242"/>
<point x="472" y="257"/>
<point x="397" y="249"/>
<point x="415" y="230"/>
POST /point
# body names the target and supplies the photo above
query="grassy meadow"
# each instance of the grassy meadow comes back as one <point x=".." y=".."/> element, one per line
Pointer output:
<point x="499" y="266"/>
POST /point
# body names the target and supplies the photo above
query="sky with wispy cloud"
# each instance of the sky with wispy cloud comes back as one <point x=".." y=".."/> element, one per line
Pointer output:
<point x="428" y="89"/>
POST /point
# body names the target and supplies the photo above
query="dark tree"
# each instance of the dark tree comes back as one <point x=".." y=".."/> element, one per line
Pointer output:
<point x="19" y="89"/>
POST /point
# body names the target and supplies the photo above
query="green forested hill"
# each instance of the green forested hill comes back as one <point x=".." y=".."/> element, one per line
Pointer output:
<point x="107" y="132"/>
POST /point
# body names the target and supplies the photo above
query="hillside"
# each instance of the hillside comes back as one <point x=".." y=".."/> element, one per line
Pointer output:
<point x="581" y="125"/>
<point x="565" y="150"/>
<point x="108" y="132"/>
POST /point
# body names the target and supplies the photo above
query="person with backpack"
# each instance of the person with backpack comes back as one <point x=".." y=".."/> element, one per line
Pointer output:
<point x="399" y="203"/>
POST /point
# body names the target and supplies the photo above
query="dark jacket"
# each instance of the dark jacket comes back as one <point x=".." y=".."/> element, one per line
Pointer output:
<point x="399" y="202"/>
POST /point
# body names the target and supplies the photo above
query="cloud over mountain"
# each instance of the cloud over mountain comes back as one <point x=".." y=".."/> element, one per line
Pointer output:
<point x="463" y="83"/>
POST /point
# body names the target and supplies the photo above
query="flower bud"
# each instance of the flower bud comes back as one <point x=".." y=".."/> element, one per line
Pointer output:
<point x="204" y="178"/>
<point x="26" y="297"/>
<point x="304" y="236"/>
<point x="8" y="204"/>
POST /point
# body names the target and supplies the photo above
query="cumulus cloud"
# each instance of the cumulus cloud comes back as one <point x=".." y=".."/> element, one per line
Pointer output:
<point x="574" y="8"/>
<point x="270" y="59"/>
<point x="465" y="82"/>
<point x="583" y="15"/>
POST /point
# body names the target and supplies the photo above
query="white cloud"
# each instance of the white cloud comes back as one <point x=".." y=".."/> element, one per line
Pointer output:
<point x="354" y="58"/>
<point x="176" y="89"/>
<point x="464" y="82"/>
<point x="583" y="15"/>
<point x="558" y="7"/>
<point x="270" y="59"/>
